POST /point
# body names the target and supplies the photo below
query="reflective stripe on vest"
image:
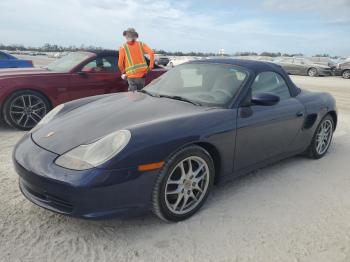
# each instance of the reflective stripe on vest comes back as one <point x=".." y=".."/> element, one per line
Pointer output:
<point x="131" y="67"/>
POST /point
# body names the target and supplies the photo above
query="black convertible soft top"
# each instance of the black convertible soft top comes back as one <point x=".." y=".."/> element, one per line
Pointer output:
<point x="256" y="67"/>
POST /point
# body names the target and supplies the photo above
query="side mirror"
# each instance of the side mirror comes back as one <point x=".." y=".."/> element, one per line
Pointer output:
<point x="265" y="99"/>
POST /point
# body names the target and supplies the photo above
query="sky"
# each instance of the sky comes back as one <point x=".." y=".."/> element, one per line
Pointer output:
<point x="287" y="26"/>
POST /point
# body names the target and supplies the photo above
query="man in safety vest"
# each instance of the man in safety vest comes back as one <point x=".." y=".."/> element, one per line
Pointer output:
<point x="132" y="62"/>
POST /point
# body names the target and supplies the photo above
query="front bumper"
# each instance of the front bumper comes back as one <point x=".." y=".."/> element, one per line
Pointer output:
<point x="93" y="194"/>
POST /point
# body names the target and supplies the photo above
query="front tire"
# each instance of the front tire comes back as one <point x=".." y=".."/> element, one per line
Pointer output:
<point x="346" y="74"/>
<point x="183" y="184"/>
<point x="322" y="138"/>
<point x="24" y="109"/>
<point x="312" y="72"/>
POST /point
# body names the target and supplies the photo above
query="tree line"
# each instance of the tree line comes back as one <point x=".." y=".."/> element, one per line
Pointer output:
<point x="57" y="48"/>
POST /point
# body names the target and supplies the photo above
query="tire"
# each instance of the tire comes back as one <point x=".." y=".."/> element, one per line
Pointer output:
<point x="346" y="74"/>
<point x="170" y="206"/>
<point x="24" y="109"/>
<point x="312" y="72"/>
<point x="313" y="150"/>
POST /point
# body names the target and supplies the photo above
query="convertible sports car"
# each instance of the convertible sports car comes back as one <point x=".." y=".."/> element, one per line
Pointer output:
<point x="162" y="148"/>
<point x="9" y="61"/>
<point x="26" y="95"/>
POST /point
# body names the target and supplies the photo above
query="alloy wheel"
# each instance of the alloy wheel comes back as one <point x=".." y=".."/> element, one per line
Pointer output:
<point x="346" y="74"/>
<point x="324" y="136"/>
<point x="312" y="72"/>
<point x="27" y="110"/>
<point x="187" y="185"/>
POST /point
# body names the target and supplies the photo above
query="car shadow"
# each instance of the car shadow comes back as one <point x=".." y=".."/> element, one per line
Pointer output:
<point x="4" y="127"/>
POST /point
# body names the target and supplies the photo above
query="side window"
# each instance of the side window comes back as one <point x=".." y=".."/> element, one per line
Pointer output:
<point x="270" y="82"/>
<point x="3" y="56"/>
<point x="102" y="64"/>
<point x="287" y="60"/>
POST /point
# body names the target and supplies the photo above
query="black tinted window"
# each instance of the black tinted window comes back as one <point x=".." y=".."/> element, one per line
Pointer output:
<point x="270" y="82"/>
<point x="102" y="64"/>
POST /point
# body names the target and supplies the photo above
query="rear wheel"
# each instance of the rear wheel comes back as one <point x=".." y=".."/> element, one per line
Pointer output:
<point x="322" y="138"/>
<point x="183" y="184"/>
<point x="312" y="72"/>
<point x="346" y="74"/>
<point x="24" y="109"/>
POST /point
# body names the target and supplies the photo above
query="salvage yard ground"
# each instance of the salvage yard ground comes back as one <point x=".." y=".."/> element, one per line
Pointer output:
<point x="296" y="210"/>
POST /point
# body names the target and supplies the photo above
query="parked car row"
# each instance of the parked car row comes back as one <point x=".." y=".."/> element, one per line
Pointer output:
<point x="313" y="66"/>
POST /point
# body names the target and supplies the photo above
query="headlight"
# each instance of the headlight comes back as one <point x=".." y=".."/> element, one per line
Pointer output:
<point x="88" y="156"/>
<point x="48" y="117"/>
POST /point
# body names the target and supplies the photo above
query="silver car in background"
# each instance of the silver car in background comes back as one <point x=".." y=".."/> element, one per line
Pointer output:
<point x="344" y="68"/>
<point x="303" y="66"/>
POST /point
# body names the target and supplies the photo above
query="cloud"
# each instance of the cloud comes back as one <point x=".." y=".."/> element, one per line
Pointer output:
<point x="335" y="9"/>
<point x="174" y="25"/>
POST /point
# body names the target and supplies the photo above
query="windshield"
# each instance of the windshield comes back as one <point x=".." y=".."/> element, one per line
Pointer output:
<point x="206" y="84"/>
<point x="68" y="62"/>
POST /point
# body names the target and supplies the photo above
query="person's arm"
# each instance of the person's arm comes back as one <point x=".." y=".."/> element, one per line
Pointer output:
<point x="121" y="60"/>
<point x="150" y="52"/>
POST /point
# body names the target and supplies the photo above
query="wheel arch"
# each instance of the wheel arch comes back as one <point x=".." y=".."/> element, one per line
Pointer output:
<point x="215" y="155"/>
<point x="334" y="116"/>
<point x="32" y="90"/>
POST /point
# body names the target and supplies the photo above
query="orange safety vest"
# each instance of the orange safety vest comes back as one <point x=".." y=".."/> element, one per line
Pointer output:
<point x="135" y="61"/>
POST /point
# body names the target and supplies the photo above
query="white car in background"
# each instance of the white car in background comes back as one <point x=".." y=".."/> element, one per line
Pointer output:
<point x="178" y="60"/>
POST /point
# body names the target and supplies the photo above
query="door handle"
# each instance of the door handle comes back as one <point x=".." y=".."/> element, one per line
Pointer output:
<point x="300" y="114"/>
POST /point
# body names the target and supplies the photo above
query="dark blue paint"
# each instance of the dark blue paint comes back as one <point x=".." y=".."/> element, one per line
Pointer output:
<point x="245" y="136"/>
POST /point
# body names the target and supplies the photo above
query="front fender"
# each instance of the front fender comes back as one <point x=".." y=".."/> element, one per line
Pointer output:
<point x="158" y="141"/>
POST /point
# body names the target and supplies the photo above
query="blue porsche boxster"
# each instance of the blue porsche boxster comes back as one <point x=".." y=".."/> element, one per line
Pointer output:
<point x="162" y="149"/>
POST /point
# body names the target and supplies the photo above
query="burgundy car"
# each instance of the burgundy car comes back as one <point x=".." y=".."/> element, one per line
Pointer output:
<point x="26" y="95"/>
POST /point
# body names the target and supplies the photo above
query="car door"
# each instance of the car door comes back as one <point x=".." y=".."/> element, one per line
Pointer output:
<point x="300" y="66"/>
<point x="98" y="76"/>
<point x="287" y="65"/>
<point x="266" y="132"/>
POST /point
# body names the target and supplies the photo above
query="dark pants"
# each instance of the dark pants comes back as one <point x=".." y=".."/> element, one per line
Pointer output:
<point x="136" y="83"/>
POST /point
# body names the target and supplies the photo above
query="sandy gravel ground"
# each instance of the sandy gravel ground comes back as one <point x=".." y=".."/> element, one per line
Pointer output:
<point x="296" y="210"/>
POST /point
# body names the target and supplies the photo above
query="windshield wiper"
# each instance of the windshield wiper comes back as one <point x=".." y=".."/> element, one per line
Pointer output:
<point x="147" y="92"/>
<point x="180" y="98"/>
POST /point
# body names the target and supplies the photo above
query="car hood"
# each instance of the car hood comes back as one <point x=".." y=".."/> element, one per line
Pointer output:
<point x="18" y="72"/>
<point x="96" y="119"/>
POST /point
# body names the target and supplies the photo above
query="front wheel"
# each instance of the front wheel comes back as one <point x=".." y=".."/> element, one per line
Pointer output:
<point x="312" y="72"/>
<point x="322" y="138"/>
<point x="24" y="109"/>
<point x="346" y="74"/>
<point x="183" y="184"/>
